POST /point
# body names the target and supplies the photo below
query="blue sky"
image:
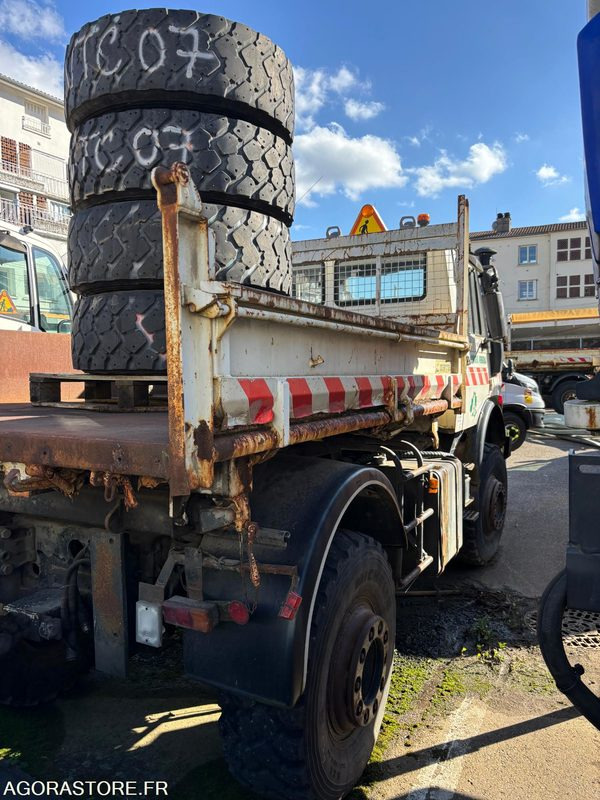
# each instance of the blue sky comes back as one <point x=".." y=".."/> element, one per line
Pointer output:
<point x="400" y="104"/>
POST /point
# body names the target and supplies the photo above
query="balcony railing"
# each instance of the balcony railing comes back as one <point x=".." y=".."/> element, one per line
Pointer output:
<point x="37" y="218"/>
<point x="28" y="178"/>
<point x="35" y="125"/>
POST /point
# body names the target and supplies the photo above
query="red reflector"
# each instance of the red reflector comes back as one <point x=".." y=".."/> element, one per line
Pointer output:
<point x="290" y="605"/>
<point x="238" y="612"/>
<point x="193" y="614"/>
<point x="500" y="399"/>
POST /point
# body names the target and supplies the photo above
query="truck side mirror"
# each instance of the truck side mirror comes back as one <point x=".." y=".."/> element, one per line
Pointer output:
<point x="496" y="352"/>
<point x="494" y="304"/>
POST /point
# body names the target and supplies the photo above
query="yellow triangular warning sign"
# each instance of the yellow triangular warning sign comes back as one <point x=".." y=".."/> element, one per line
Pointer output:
<point x="368" y="221"/>
<point x="6" y="304"/>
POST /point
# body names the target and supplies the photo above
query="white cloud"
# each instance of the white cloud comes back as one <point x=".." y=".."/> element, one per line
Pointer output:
<point x="548" y="175"/>
<point x="574" y="215"/>
<point x="317" y="87"/>
<point x="343" y="80"/>
<point x="29" y="19"/>
<point x="424" y="135"/>
<point x="44" y="72"/>
<point x="482" y="163"/>
<point x="311" y="92"/>
<point x="521" y="137"/>
<point x="357" y="110"/>
<point x="336" y="162"/>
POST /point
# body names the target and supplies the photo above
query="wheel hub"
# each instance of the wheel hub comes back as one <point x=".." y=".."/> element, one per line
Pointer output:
<point x="496" y="504"/>
<point x="513" y="431"/>
<point x="359" y="669"/>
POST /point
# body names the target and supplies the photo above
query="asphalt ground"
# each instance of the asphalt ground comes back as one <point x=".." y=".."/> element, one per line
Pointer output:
<point x="473" y="713"/>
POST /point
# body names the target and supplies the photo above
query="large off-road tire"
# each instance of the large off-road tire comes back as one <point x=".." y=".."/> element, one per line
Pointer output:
<point x="230" y="161"/>
<point x="481" y="539"/>
<point x="119" y="246"/>
<point x="120" y="332"/>
<point x="515" y="428"/>
<point x="566" y="390"/>
<point x="549" y="629"/>
<point x="319" y="749"/>
<point x="178" y="59"/>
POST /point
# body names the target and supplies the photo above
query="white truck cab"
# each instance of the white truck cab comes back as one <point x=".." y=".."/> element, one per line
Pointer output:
<point x="34" y="293"/>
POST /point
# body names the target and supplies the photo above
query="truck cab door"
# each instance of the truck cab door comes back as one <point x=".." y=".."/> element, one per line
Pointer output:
<point x="17" y="301"/>
<point x="53" y="298"/>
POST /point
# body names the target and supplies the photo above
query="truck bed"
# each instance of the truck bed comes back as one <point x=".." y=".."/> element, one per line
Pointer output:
<point x="124" y="443"/>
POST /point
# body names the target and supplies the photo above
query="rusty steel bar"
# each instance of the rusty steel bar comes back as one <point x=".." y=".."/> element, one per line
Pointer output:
<point x="237" y="445"/>
<point x="245" y="443"/>
<point x="165" y="183"/>
<point x="316" y="322"/>
<point x="430" y="407"/>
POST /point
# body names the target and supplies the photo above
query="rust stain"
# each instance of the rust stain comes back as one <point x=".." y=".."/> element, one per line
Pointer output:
<point x="591" y="417"/>
<point x="40" y="478"/>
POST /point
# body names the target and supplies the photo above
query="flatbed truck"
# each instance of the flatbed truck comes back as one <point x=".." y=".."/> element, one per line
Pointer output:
<point x="300" y="465"/>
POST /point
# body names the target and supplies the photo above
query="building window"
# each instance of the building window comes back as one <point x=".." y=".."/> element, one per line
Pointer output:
<point x="575" y="287"/>
<point x="588" y="248"/>
<point x="35" y="118"/>
<point x="527" y="290"/>
<point x="528" y="254"/>
<point x="570" y="286"/>
<point x="589" y="287"/>
<point x="570" y="249"/>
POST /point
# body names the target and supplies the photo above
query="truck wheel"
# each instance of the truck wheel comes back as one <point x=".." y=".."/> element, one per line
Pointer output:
<point x="481" y="538"/>
<point x="563" y="392"/>
<point x="320" y="748"/>
<point x="119" y="245"/>
<point x="32" y="673"/>
<point x="516" y="429"/>
<point x="231" y="161"/>
<point x="183" y="59"/>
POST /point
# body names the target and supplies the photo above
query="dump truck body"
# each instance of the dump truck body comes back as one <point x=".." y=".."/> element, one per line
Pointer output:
<point x="285" y="435"/>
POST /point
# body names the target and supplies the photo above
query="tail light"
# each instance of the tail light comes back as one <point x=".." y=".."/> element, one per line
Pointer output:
<point x="192" y="614"/>
<point x="290" y="605"/>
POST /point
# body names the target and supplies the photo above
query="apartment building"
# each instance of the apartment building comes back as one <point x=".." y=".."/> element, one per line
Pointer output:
<point x="547" y="281"/>
<point x="34" y="146"/>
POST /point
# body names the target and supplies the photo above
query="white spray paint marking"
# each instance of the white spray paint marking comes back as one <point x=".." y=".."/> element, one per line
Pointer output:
<point x="100" y="56"/>
<point x="445" y="774"/>
<point x="195" y="53"/>
<point x="82" y="40"/>
<point x="160" y="46"/>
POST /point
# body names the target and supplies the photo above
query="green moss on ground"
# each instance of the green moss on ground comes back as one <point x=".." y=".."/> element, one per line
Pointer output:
<point x="31" y="737"/>
<point x="409" y="676"/>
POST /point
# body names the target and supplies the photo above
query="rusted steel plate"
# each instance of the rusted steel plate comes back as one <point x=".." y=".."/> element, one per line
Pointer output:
<point x="110" y="603"/>
<point x="127" y="443"/>
<point x="28" y="351"/>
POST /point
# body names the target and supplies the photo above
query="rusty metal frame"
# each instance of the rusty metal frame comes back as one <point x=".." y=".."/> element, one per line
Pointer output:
<point x="188" y="252"/>
<point x="462" y="289"/>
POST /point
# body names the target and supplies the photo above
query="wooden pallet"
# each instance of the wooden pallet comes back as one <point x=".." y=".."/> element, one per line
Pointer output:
<point x="101" y="392"/>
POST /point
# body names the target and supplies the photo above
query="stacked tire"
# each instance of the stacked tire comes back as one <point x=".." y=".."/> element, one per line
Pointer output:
<point x="153" y="87"/>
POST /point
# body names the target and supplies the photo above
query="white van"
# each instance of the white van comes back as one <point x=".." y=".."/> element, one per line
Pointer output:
<point x="523" y="406"/>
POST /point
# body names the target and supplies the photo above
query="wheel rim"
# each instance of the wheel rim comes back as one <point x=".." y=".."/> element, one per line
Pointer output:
<point x="358" y="670"/>
<point x="570" y="394"/>
<point x="513" y="432"/>
<point x="495" y="505"/>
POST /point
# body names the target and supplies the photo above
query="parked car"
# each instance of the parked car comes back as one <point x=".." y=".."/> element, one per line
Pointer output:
<point x="523" y="408"/>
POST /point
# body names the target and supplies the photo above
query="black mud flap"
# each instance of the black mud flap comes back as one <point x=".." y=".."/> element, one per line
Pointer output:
<point x="266" y="659"/>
